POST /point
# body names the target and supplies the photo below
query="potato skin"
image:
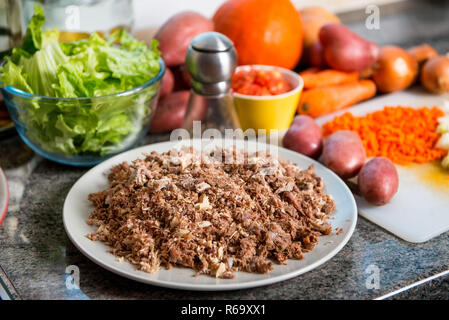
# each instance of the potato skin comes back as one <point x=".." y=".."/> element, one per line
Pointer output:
<point x="304" y="136"/>
<point x="167" y="84"/>
<point x="343" y="153"/>
<point x="175" y="35"/>
<point x="170" y="112"/>
<point x="378" y="181"/>
<point x="316" y="55"/>
<point x="345" y="50"/>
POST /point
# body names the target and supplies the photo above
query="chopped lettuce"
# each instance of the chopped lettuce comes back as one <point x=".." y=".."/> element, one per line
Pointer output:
<point x="443" y="125"/>
<point x="86" y="68"/>
<point x="443" y="142"/>
<point x="33" y="37"/>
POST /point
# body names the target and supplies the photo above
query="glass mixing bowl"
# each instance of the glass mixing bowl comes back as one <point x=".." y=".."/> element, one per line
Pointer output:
<point x="83" y="131"/>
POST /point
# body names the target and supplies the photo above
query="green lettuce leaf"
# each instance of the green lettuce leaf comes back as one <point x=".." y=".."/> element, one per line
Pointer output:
<point x="13" y="76"/>
<point x="85" y="69"/>
<point x="33" y="37"/>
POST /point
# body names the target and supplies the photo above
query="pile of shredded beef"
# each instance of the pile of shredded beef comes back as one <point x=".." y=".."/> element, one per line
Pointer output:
<point x="198" y="211"/>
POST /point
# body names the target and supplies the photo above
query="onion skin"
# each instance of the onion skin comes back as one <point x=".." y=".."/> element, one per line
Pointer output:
<point x="422" y="53"/>
<point x="395" y="70"/>
<point x="313" y="18"/>
<point x="435" y="75"/>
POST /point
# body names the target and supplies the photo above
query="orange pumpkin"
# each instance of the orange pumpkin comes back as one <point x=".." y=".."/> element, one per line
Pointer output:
<point x="263" y="31"/>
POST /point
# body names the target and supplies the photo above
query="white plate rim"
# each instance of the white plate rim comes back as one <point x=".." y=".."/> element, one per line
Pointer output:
<point x="209" y="287"/>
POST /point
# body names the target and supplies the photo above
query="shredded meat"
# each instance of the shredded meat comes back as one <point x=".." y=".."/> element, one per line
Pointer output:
<point x="201" y="212"/>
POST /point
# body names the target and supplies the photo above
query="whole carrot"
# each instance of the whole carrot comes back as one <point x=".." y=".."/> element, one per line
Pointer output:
<point x="320" y="101"/>
<point x="314" y="78"/>
<point x="309" y="71"/>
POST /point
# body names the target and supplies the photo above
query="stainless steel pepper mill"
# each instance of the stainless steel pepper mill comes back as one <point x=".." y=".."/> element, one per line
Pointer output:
<point x="211" y="60"/>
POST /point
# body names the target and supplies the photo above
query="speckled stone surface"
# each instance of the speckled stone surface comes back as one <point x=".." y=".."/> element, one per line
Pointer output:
<point x="35" y="252"/>
<point x="437" y="289"/>
<point x="37" y="256"/>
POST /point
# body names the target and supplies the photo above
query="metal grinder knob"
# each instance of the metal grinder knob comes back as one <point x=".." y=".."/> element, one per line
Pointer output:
<point x="211" y="61"/>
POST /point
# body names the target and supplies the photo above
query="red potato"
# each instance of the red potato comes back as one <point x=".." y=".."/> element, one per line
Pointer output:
<point x="343" y="153"/>
<point x="175" y="35"/>
<point x="185" y="75"/>
<point x="316" y="55"/>
<point x="181" y="81"/>
<point x="346" y="51"/>
<point x="168" y="83"/>
<point x="378" y="181"/>
<point x="304" y="136"/>
<point x="170" y="112"/>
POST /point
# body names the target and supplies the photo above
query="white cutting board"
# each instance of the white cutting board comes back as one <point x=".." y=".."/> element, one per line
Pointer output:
<point x="420" y="209"/>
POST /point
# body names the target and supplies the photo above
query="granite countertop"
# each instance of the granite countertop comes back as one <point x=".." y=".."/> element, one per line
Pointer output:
<point x="37" y="257"/>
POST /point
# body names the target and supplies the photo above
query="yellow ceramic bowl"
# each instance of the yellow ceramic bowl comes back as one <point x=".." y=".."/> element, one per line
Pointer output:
<point x="269" y="112"/>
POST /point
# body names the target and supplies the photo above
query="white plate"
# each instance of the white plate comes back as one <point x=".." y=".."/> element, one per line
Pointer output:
<point x="77" y="208"/>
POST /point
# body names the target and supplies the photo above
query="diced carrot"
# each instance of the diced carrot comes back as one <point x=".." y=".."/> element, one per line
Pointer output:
<point x="402" y="134"/>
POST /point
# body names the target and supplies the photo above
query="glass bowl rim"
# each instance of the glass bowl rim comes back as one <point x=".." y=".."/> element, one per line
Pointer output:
<point x="15" y="91"/>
